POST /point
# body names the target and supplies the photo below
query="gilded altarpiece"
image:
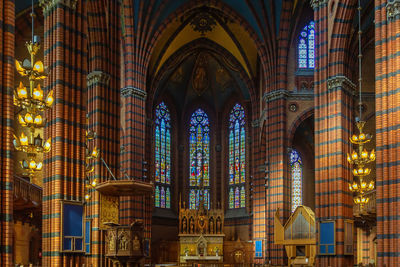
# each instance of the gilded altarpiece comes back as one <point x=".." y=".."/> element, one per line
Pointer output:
<point x="201" y="235"/>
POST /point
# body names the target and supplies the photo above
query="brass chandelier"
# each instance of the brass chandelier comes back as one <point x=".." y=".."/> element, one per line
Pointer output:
<point x="360" y="157"/>
<point x="32" y="103"/>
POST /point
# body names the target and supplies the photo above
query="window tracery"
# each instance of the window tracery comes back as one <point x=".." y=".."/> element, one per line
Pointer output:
<point x="199" y="159"/>
<point x="296" y="166"/>
<point x="162" y="157"/>
<point x="306" y="47"/>
<point x="237" y="158"/>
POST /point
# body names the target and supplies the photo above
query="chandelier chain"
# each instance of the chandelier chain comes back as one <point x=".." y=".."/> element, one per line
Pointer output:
<point x="359" y="60"/>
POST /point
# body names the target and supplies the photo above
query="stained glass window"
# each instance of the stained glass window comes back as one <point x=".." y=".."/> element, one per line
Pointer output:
<point x="231" y="206"/>
<point x="306" y="46"/>
<point x="162" y="157"/>
<point x="297" y="179"/>
<point x="157" y="196"/>
<point x="237" y="158"/>
<point x="199" y="159"/>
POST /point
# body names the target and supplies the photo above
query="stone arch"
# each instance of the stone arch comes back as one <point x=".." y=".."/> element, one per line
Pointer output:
<point x="341" y="27"/>
<point x="296" y="123"/>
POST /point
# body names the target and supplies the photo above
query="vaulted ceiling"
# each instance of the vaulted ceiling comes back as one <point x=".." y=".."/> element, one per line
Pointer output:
<point x="257" y="24"/>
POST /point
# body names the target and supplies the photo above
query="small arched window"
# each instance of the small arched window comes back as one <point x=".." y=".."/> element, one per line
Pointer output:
<point x="296" y="167"/>
<point x="237" y="158"/>
<point x="199" y="159"/>
<point x="306" y="47"/>
<point x="162" y="157"/>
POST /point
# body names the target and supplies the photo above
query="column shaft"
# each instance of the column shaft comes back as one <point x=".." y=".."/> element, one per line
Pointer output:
<point x="7" y="44"/>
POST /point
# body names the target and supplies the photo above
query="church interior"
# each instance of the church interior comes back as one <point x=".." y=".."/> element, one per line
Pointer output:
<point x="200" y="133"/>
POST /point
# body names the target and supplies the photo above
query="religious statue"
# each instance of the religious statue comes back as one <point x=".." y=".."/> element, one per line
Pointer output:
<point x="199" y="78"/>
<point x="123" y="242"/>
<point x="184" y="225"/>
<point x="136" y="243"/>
<point x="219" y="226"/>
<point x="191" y="226"/>
<point x="201" y="224"/>
<point x="211" y="230"/>
<point x="111" y="240"/>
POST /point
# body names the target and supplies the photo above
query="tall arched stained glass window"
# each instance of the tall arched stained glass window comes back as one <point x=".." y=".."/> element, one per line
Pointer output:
<point x="162" y="156"/>
<point x="296" y="166"/>
<point x="237" y="158"/>
<point x="306" y="46"/>
<point x="199" y="149"/>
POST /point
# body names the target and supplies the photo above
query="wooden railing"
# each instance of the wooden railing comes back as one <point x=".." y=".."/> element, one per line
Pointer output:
<point x="26" y="194"/>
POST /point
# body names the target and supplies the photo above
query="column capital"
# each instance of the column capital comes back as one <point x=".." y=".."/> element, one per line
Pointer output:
<point x="255" y="123"/>
<point x="133" y="91"/>
<point x="317" y="3"/>
<point x="276" y="94"/>
<point x="393" y="9"/>
<point x="98" y="77"/>
<point x="341" y="82"/>
<point x="49" y="5"/>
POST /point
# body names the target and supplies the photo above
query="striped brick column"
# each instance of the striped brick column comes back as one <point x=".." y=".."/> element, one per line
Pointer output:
<point x="136" y="28"/>
<point x="103" y="108"/>
<point x="277" y="196"/>
<point x="333" y="123"/>
<point x="7" y="44"/>
<point x="133" y="155"/>
<point x="66" y="58"/>
<point x="387" y="43"/>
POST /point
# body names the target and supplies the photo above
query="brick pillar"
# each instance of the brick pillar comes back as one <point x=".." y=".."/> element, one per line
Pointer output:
<point x="333" y="124"/>
<point x="103" y="112"/>
<point x="7" y="44"/>
<point x="387" y="43"/>
<point x="133" y="140"/>
<point x="66" y="57"/>
<point x="278" y="186"/>
<point x="103" y="107"/>
<point x="136" y="27"/>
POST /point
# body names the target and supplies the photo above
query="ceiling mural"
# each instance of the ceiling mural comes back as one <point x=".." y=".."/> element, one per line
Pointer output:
<point x="207" y="23"/>
<point x="200" y="80"/>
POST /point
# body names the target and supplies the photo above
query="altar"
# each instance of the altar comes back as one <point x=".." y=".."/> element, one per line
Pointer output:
<point x="201" y="235"/>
